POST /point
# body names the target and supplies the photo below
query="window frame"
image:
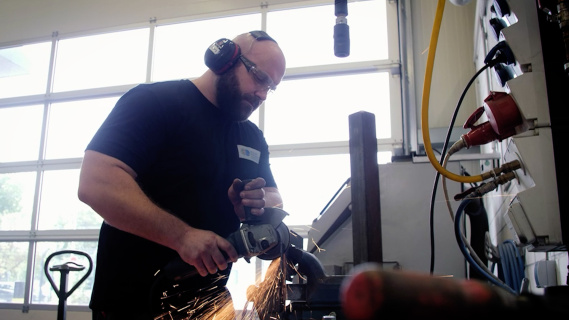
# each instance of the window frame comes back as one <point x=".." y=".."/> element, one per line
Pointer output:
<point x="399" y="91"/>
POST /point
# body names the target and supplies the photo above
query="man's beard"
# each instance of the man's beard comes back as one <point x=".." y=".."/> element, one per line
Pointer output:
<point x="231" y="101"/>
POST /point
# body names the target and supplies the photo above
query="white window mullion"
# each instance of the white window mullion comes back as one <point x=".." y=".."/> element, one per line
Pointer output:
<point x="150" y="49"/>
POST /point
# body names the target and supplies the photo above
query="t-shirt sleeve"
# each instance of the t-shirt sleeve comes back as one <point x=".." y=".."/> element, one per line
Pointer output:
<point x="132" y="132"/>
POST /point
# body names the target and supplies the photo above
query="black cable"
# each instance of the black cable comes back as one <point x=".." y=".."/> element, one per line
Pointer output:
<point x="466" y="174"/>
<point x="467" y="255"/>
<point x="478" y="228"/>
<point x="445" y="146"/>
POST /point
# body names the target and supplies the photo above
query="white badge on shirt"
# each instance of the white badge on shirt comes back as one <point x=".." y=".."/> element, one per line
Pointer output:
<point x="249" y="153"/>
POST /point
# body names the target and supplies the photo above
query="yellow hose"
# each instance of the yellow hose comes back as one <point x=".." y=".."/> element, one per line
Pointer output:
<point x="425" y="103"/>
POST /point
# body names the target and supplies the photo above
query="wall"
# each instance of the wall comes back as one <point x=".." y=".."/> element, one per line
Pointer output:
<point x="37" y="19"/>
<point x="453" y="66"/>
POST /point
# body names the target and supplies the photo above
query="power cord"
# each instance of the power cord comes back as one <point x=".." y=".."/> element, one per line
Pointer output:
<point x="443" y="152"/>
<point x="499" y="54"/>
<point x="513" y="285"/>
<point x="469" y="254"/>
<point x="512" y="264"/>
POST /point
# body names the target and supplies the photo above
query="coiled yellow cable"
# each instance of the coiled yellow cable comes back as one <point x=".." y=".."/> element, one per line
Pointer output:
<point x="425" y="102"/>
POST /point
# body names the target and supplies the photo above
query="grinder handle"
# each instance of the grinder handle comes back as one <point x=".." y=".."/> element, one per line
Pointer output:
<point x="177" y="269"/>
<point x="248" y="215"/>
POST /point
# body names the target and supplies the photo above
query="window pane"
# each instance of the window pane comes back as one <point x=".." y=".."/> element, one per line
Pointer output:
<point x="102" y="60"/>
<point x="180" y="48"/>
<point x="243" y="275"/>
<point x="42" y="291"/>
<point x="13" y="271"/>
<point x="24" y="70"/>
<point x="304" y="201"/>
<point x="60" y="208"/>
<point x="20" y="132"/>
<point x="73" y="124"/>
<point x="317" y="109"/>
<point x="306" y="35"/>
<point x="321" y="178"/>
<point x="16" y="200"/>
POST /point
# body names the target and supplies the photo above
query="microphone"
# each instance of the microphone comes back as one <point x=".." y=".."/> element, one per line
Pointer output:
<point x="341" y="29"/>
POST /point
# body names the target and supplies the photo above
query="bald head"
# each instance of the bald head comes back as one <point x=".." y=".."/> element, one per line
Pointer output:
<point x="230" y="83"/>
<point x="264" y="51"/>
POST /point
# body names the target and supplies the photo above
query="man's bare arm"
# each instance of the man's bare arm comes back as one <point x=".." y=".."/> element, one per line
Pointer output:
<point x="108" y="185"/>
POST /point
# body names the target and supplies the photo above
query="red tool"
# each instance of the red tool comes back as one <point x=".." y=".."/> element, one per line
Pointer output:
<point x="372" y="293"/>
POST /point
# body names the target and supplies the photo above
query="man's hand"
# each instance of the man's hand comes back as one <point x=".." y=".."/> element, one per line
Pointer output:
<point x="251" y="195"/>
<point x="206" y="251"/>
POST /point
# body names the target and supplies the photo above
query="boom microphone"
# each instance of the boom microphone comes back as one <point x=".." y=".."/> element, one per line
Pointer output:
<point x="341" y="30"/>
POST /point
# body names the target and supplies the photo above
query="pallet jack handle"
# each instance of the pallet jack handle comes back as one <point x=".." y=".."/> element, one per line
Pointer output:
<point x="64" y="269"/>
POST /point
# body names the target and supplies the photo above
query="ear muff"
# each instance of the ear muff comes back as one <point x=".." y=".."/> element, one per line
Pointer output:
<point x="221" y="55"/>
<point x="260" y="35"/>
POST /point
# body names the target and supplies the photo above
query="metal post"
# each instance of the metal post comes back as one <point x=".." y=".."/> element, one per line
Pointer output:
<point x="366" y="211"/>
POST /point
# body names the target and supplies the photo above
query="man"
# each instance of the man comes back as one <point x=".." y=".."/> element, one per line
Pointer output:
<point x="165" y="172"/>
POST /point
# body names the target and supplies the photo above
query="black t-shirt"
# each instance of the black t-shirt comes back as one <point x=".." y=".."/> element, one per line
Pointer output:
<point x="186" y="155"/>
